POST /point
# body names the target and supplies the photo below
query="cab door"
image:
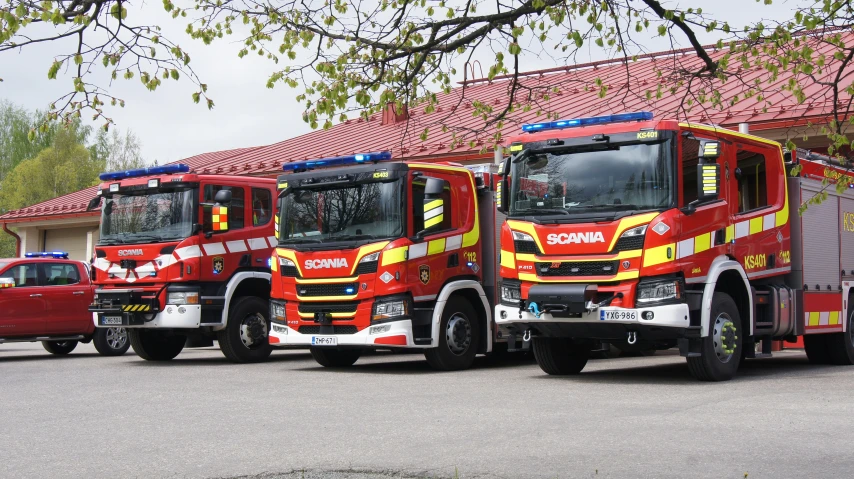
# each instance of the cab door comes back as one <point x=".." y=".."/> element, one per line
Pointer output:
<point x="23" y="305"/>
<point x="67" y="298"/>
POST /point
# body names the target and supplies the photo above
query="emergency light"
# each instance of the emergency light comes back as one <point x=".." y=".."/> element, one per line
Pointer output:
<point x="360" y="159"/>
<point x="152" y="170"/>
<point x="591" y="120"/>
<point x="48" y="254"/>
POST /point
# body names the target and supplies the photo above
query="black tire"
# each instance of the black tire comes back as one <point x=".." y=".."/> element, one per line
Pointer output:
<point x="59" y="348"/>
<point x="840" y="346"/>
<point x="816" y="348"/>
<point x="111" y="341"/>
<point x="458" y="340"/>
<point x="245" y="337"/>
<point x="335" y="358"/>
<point x="154" y="345"/>
<point x="720" y="351"/>
<point x="560" y="356"/>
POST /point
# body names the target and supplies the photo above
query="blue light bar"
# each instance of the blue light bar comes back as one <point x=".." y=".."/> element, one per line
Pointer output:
<point x="592" y="120"/>
<point x="152" y="170"/>
<point x="48" y="254"/>
<point x="360" y="159"/>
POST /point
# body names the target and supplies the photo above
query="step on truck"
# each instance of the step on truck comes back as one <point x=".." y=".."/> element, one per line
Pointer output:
<point x="379" y="254"/>
<point x="183" y="259"/>
<point x="660" y="234"/>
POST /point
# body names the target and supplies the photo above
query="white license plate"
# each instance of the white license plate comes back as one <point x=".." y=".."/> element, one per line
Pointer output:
<point x="324" y="341"/>
<point x="626" y="315"/>
<point x="111" y="320"/>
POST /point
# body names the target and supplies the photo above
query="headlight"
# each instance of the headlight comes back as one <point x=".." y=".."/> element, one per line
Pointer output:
<point x="182" y="298"/>
<point x="277" y="311"/>
<point x="511" y="293"/>
<point x="518" y="236"/>
<point x="371" y="257"/>
<point x="639" y="231"/>
<point x="390" y="309"/>
<point x="659" y="291"/>
<point x="286" y="262"/>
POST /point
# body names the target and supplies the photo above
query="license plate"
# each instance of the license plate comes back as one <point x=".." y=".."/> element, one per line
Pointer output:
<point x="109" y="320"/>
<point x="324" y="341"/>
<point x="626" y="315"/>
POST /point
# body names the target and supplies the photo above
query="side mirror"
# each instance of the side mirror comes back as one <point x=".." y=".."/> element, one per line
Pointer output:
<point x="708" y="178"/>
<point x="434" y="206"/>
<point x="93" y="203"/>
<point x="215" y="218"/>
<point x="223" y="197"/>
<point x="502" y="188"/>
<point x="6" y="283"/>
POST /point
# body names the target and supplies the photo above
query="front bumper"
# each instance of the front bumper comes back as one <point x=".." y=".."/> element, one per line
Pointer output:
<point x="398" y="335"/>
<point x="170" y="317"/>
<point x="667" y="316"/>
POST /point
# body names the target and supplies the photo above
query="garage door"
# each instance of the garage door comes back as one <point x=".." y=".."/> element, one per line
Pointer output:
<point x="70" y="240"/>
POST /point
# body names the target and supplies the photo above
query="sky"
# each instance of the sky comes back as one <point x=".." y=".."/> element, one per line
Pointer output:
<point x="171" y="127"/>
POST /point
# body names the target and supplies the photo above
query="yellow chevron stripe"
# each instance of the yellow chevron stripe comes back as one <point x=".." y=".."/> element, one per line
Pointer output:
<point x="659" y="255"/>
<point x="433" y="205"/>
<point x="394" y="255"/>
<point x="334" y="315"/>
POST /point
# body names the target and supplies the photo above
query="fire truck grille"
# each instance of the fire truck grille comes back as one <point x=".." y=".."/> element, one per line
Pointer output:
<point x="525" y="247"/>
<point x="338" y="289"/>
<point x="348" y="307"/>
<point x="289" y="271"/>
<point x="581" y="268"/>
<point x="335" y="330"/>
<point x="367" y="268"/>
<point x="628" y="243"/>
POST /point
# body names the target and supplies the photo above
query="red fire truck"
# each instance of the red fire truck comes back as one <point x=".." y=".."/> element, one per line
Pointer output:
<point x="384" y="255"/>
<point x="184" y="258"/>
<point x="663" y="234"/>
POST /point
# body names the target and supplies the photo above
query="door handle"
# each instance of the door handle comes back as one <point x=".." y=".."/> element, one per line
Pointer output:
<point x="77" y="293"/>
<point x="35" y="296"/>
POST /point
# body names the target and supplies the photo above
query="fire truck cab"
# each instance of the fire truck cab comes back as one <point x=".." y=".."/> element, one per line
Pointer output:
<point x="184" y="258"/>
<point x="380" y="255"/>
<point x="663" y="234"/>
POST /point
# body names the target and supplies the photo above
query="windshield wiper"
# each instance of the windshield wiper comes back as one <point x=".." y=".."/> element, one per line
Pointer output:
<point x="351" y="237"/>
<point x="543" y="210"/>
<point x="300" y="240"/>
<point x="617" y="207"/>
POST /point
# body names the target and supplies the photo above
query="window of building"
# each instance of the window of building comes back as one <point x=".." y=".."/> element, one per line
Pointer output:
<point x="236" y="210"/>
<point x="57" y="274"/>
<point x="418" y="208"/>
<point x="262" y="206"/>
<point x="752" y="181"/>
<point x="23" y="274"/>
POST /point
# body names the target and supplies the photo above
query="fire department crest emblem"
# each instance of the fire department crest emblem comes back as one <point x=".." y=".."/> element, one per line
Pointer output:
<point x="424" y="273"/>
<point x="218" y="264"/>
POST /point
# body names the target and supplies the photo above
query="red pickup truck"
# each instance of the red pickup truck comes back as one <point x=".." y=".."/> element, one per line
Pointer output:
<point x="45" y="297"/>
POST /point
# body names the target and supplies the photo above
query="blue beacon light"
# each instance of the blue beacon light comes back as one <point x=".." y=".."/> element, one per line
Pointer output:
<point x="358" y="159"/>
<point x="153" y="170"/>
<point x="591" y="120"/>
<point x="48" y="254"/>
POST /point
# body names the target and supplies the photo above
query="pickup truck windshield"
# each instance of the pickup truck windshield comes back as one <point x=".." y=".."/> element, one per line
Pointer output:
<point x="619" y="178"/>
<point x="351" y="212"/>
<point x="147" y="216"/>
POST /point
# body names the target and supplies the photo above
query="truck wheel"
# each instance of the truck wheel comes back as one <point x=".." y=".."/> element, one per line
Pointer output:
<point x="59" y="347"/>
<point x="111" y="341"/>
<point x="458" y="337"/>
<point x="335" y="358"/>
<point x="816" y="348"/>
<point x="840" y="346"/>
<point x="156" y="345"/>
<point x="244" y="339"/>
<point x="720" y="351"/>
<point x="559" y="356"/>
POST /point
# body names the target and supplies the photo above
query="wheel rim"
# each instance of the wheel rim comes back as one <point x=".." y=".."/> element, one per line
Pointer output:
<point x="117" y="337"/>
<point x="458" y="334"/>
<point x="724" y="335"/>
<point x="253" y="330"/>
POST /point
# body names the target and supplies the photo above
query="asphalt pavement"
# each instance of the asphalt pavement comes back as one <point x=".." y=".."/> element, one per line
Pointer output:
<point x="200" y="416"/>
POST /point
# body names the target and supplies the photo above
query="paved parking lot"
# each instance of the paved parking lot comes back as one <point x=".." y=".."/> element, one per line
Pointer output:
<point x="390" y="416"/>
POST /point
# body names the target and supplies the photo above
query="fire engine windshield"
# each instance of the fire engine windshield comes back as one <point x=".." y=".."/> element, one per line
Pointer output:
<point x="147" y="216"/>
<point x="609" y="179"/>
<point x="350" y="213"/>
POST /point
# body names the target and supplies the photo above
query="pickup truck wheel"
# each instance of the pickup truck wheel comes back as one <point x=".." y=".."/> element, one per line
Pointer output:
<point x="458" y="337"/>
<point x="335" y="358"/>
<point x="720" y="351"/>
<point x="244" y="339"/>
<point x="111" y="341"/>
<point x="156" y="345"/>
<point x="59" y="347"/>
<point x="559" y="356"/>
